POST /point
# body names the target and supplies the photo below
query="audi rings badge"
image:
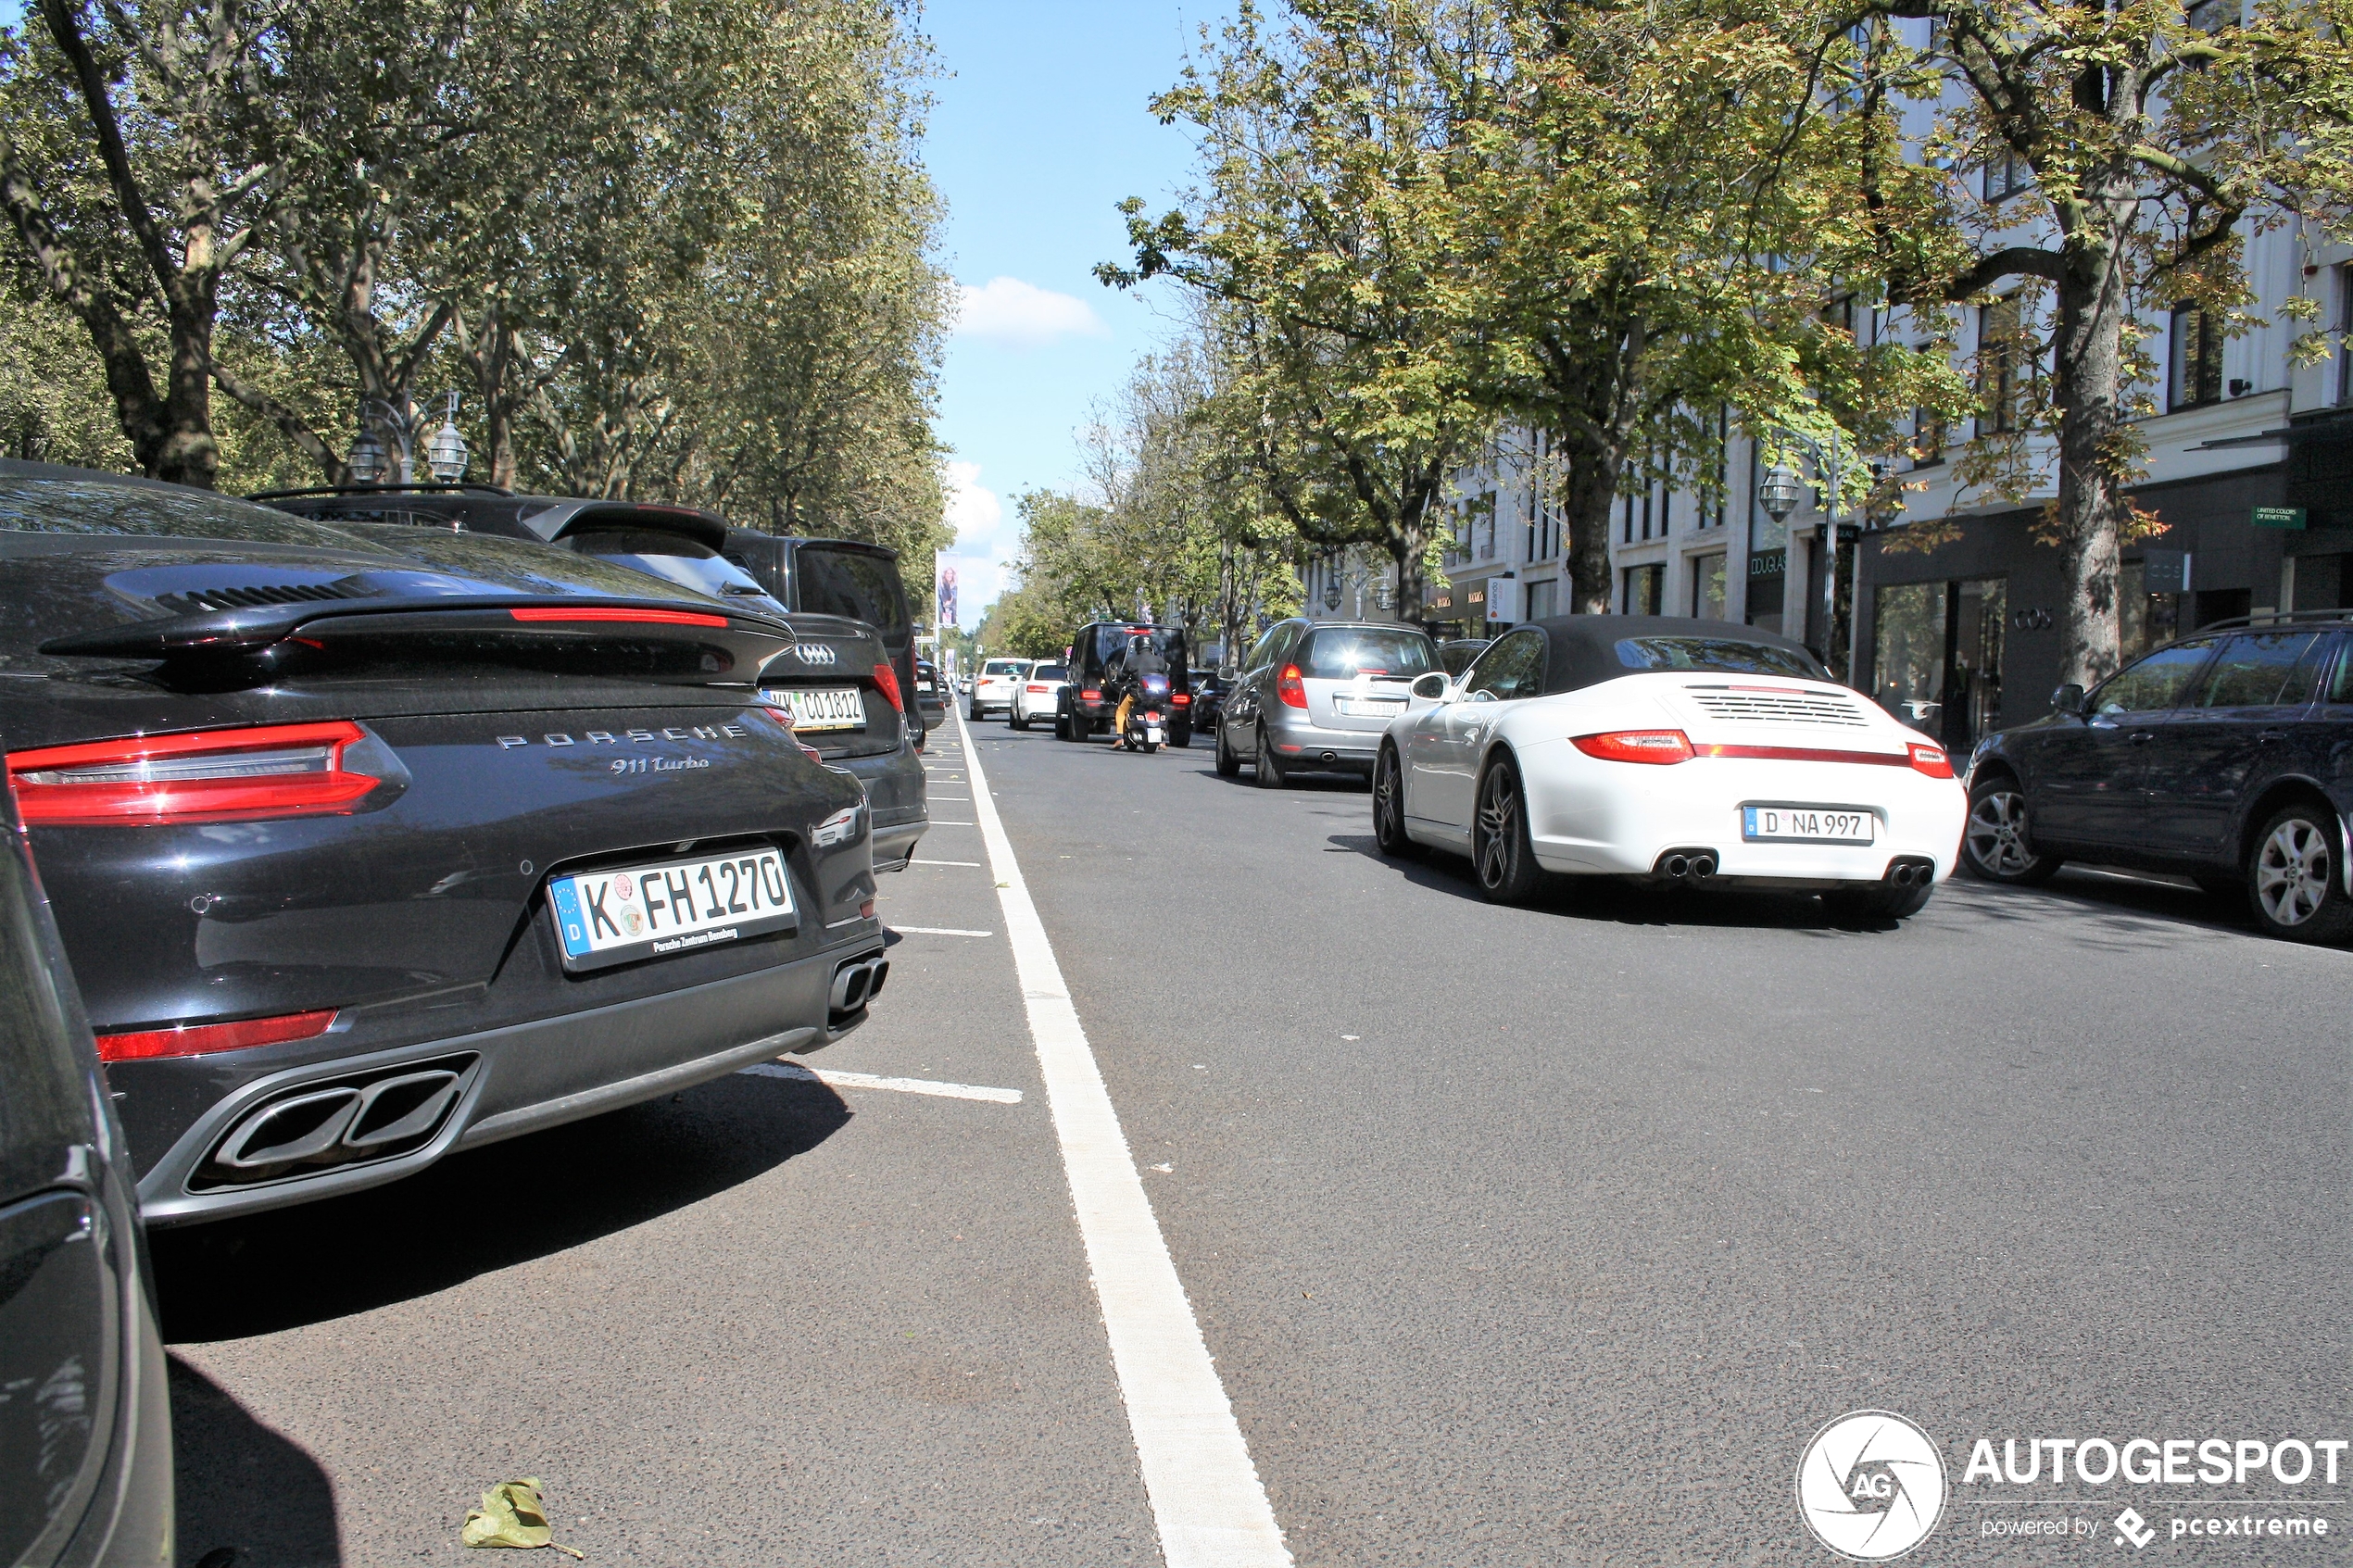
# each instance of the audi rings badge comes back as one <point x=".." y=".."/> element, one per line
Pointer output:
<point x="815" y="653"/>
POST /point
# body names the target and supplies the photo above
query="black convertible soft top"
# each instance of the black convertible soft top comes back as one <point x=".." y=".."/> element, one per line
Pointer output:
<point x="1585" y="650"/>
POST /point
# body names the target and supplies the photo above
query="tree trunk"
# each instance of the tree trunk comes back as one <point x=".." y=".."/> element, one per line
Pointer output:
<point x="2090" y="504"/>
<point x="1589" y="493"/>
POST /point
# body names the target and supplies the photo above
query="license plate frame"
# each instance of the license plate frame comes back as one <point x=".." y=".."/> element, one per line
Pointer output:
<point x="1802" y="821"/>
<point x="746" y="892"/>
<point x="822" y="709"/>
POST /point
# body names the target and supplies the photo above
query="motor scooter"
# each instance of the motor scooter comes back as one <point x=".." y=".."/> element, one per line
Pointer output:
<point x="1146" y="729"/>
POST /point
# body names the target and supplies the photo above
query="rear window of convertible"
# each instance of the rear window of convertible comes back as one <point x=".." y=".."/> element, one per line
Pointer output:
<point x="1341" y="654"/>
<point x="1730" y="655"/>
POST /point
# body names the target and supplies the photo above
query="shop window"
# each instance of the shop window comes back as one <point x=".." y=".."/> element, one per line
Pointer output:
<point x="2144" y="620"/>
<point x="1937" y="657"/>
<point x="1707" y="587"/>
<point x="2197" y="357"/>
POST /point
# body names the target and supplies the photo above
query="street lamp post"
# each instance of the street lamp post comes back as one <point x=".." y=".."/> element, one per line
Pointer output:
<point x="371" y="463"/>
<point x="1778" y="492"/>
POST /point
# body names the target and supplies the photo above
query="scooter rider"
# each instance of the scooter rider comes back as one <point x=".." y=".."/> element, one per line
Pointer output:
<point x="1136" y="661"/>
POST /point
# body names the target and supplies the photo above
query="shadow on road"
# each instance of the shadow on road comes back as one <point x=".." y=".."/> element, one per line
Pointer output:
<point x="483" y="1209"/>
<point x="240" y="1485"/>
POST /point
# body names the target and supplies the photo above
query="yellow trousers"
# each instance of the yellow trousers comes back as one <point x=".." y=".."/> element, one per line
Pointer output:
<point x="1119" y="720"/>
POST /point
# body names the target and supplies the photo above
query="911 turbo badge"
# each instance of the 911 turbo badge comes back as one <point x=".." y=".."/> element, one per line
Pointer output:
<point x="623" y="737"/>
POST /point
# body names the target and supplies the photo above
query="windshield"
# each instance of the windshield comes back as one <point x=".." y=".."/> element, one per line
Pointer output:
<point x="1338" y="653"/>
<point x="1731" y="654"/>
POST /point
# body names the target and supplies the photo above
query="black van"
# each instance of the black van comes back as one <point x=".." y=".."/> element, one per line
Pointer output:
<point x="1085" y="705"/>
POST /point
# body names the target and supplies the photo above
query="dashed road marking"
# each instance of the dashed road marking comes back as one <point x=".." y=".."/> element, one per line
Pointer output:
<point x="1206" y="1496"/>
<point x="827" y="1075"/>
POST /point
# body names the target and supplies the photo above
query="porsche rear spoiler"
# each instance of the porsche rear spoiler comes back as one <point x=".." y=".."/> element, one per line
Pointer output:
<point x="748" y="638"/>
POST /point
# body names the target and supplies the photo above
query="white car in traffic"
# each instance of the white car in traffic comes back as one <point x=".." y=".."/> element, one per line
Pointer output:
<point x="1034" y="695"/>
<point x="993" y="687"/>
<point x="1687" y="752"/>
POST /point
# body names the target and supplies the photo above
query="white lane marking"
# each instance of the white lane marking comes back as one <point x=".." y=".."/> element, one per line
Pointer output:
<point x="974" y="864"/>
<point x="827" y="1075"/>
<point x="944" y="822"/>
<point x="1206" y="1497"/>
<point x="938" y="930"/>
<point x="966" y="799"/>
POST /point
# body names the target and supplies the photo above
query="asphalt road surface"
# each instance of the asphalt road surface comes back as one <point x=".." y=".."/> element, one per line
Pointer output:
<point x="1518" y="1236"/>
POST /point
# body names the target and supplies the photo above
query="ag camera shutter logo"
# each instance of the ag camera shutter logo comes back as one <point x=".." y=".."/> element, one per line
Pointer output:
<point x="1871" y="1486"/>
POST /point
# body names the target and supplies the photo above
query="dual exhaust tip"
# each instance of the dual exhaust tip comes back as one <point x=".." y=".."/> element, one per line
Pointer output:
<point x="1911" y="873"/>
<point x="858" y="983"/>
<point x="1687" y="865"/>
<point x="346" y="1122"/>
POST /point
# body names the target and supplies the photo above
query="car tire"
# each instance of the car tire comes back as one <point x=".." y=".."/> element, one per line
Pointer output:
<point x="975" y="713"/>
<point x="2295" y="877"/>
<point x="1014" y="721"/>
<point x="1389" y="809"/>
<point x="1862" y="906"/>
<point x="1996" y="844"/>
<point x="1228" y="765"/>
<point x="1269" y="766"/>
<point x="1180" y="736"/>
<point x="1502" y="858"/>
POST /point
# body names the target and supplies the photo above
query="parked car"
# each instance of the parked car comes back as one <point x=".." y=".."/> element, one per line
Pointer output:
<point x="1456" y="653"/>
<point x="1209" y="699"/>
<point x="843" y="677"/>
<point x="1688" y="752"/>
<point x="85" y="1416"/>
<point x="2220" y="756"/>
<point x="370" y="842"/>
<point x="1317" y="694"/>
<point x="931" y="695"/>
<point x="1086" y="707"/>
<point x="1039" y="693"/>
<point x="994" y="686"/>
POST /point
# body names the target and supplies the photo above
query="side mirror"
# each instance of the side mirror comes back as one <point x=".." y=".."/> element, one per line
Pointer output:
<point x="2069" y="698"/>
<point x="1430" y="687"/>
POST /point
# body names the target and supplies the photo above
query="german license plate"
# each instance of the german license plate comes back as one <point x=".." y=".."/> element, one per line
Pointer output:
<point x="829" y="708"/>
<point x="1809" y="824"/>
<point x="666" y="907"/>
<point x="1369" y="707"/>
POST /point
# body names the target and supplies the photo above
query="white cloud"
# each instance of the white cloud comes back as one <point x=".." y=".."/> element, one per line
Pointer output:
<point x="973" y="510"/>
<point x="1008" y="310"/>
<point x="982" y="541"/>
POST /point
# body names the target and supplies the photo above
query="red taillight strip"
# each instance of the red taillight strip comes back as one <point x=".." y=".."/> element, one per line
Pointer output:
<point x="200" y="1039"/>
<point x="287" y="790"/>
<point x="1806" y="754"/>
<point x="637" y="617"/>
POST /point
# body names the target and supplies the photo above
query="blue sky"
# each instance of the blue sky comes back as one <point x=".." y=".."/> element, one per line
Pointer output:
<point x="1039" y="131"/>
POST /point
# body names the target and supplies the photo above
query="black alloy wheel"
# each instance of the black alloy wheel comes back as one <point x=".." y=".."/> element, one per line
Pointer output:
<point x="2295" y="877"/>
<point x="1228" y="765"/>
<point x="1270" y="767"/>
<point x="1500" y="853"/>
<point x="1389" y="809"/>
<point x="1996" y="844"/>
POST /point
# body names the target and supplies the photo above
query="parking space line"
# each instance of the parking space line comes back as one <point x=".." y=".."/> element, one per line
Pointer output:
<point x="944" y="822"/>
<point x="832" y="1079"/>
<point x="1207" y="1498"/>
<point x="938" y="930"/>
<point x="972" y="864"/>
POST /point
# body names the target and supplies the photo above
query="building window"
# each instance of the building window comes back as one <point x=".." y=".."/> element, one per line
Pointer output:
<point x="1645" y="589"/>
<point x="1543" y="518"/>
<point x="1714" y="476"/>
<point x="1707" y="587"/>
<point x="1487" y="526"/>
<point x="2197" y="357"/>
<point x="2212" y="15"/>
<point x="2005" y="175"/>
<point x="2344" y="332"/>
<point x="1999" y="329"/>
<point x="1543" y="599"/>
<point x="1928" y="438"/>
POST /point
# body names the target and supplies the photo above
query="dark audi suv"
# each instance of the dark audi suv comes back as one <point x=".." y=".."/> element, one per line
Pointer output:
<point x="370" y="842"/>
<point x="2226" y="757"/>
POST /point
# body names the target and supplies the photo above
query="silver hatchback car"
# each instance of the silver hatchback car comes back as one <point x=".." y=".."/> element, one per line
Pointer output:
<point x="1316" y="696"/>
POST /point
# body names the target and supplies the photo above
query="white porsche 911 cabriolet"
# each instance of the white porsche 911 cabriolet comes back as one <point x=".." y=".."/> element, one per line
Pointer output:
<point x="1693" y="752"/>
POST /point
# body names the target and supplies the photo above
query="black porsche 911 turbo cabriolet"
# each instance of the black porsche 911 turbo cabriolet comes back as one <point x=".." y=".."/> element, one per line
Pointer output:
<point x="370" y="843"/>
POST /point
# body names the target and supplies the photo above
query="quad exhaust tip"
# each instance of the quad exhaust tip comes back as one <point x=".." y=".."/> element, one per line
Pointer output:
<point x="350" y="1120"/>
<point x="1687" y="865"/>
<point x="858" y="983"/>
